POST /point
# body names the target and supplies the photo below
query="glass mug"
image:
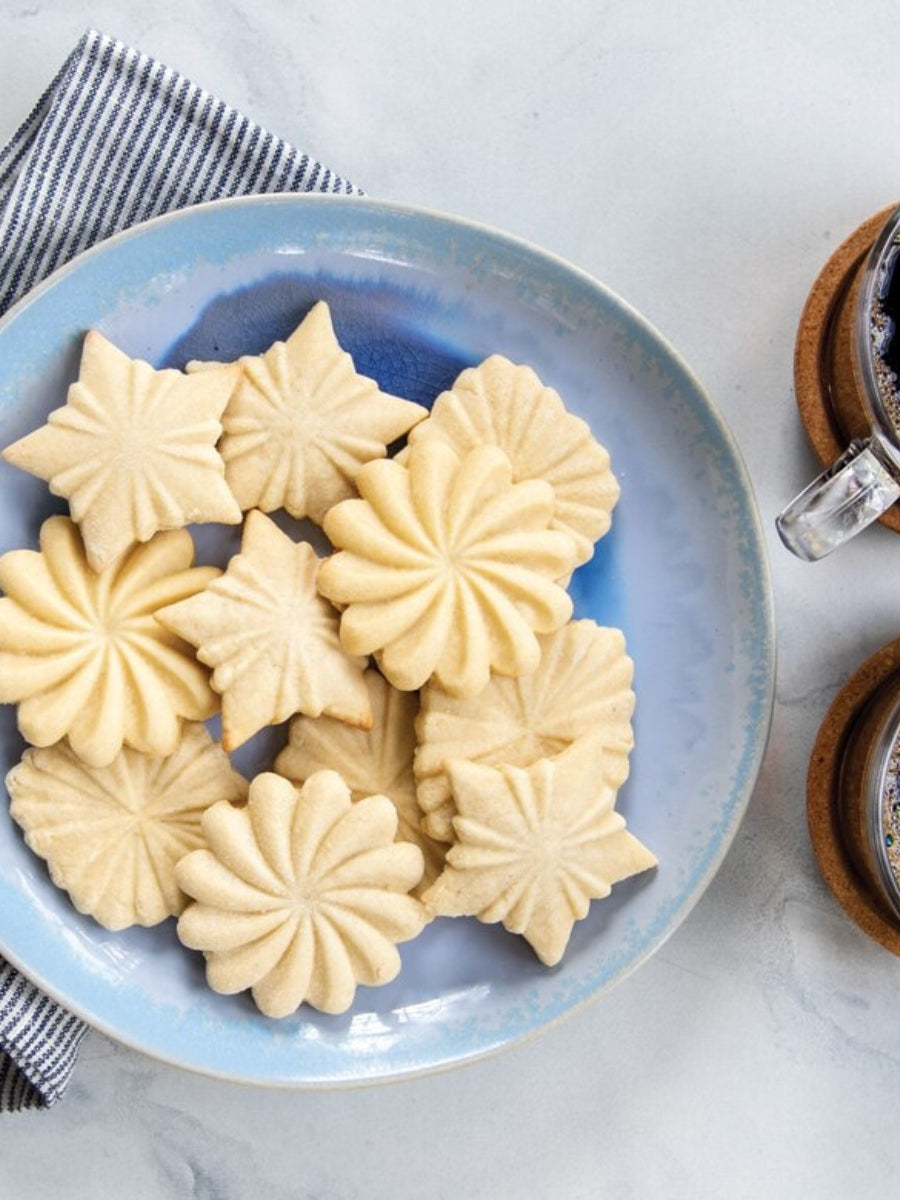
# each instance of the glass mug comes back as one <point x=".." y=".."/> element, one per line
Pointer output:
<point x="864" y="481"/>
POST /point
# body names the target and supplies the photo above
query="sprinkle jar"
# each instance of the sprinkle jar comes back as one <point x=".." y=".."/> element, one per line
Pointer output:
<point x="869" y="795"/>
<point x="853" y="794"/>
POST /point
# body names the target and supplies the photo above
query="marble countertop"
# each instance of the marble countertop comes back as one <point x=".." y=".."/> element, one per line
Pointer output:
<point x="703" y="160"/>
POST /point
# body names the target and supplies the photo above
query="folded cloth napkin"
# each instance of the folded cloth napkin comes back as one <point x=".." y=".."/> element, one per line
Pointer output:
<point x="116" y="138"/>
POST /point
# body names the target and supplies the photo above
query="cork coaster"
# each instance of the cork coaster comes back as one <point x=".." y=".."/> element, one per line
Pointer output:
<point x="822" y="799"/>
<point x="827" y="396"/>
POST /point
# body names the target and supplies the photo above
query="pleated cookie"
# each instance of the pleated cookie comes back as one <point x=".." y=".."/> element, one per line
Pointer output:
<point x="302" y="895"/>
<point x="378" y="760"/>
<point x="133" y="450"/>
<point x="112" y="835"/>
<point x="270" y="638"/>
<point x="301" y="421"/>
<point x="82" y="653"/>
<point x="582" y="686"/>
<point x="502" y="403"/>
<point x="446" y="568"/>
<point x="534" y="846"/>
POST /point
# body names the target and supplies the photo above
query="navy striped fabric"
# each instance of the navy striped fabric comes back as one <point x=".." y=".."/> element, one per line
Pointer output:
<point x="116" y="138"/>
<point x="38" y="1044"/>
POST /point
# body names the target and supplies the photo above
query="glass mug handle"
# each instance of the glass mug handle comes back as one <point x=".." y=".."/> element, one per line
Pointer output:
<point x="852" y="493"/>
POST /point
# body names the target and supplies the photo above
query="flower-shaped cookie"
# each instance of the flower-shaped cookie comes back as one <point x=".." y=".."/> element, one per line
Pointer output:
<point x="447" y="568"/>
<point x="534" y="846"/>
<point x="301" y="421"/>
<point x="301" y="895"/>
<point x="581" y="687"/>
<point x="271" y="638"/>
<point x="379" y="760"/>
<point x="82" y="653"/>
<point x="133" y="450"/>
<point x="505" y="404"/>
<point x="112" y="835"/>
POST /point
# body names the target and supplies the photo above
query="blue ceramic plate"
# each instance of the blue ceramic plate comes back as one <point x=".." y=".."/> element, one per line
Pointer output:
<point x="416" y="297"/>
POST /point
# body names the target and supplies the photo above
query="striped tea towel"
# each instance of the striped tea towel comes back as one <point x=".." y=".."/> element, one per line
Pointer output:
<point x="116" y="138"/>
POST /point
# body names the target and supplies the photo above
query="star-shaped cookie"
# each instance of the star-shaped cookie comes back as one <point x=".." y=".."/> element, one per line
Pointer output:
<point x="534" y="846"/>
<point x="133" y="450"/>
<point x="271" y="638"/>
<point x="301" y="422"/>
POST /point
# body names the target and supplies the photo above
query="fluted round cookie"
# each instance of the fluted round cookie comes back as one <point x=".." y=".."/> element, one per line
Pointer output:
<point x="112" y="835"/>
<point x="447" y="568"/>
<point x="534" y="846"/>
<point x="271" y="638"/>
<point x="81" y="651"/>
<point x="302" y="895"/>
<point x="505" y="404"/>
<point x="302" y="420"/>
<point x="378" y="760"/>
<point x="581" y="687"/>
<point x="133" y="450"/>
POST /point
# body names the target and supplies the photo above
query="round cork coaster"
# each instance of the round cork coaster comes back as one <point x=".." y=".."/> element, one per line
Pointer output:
<point x="822" y="799"/>
<point x="829" y="405"/>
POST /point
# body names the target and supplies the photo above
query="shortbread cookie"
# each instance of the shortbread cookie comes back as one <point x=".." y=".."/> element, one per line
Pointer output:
<point x="271" y="638"/>
<point x="133" y="450"/>
<point x="301" y="895"/>
<point x="447" y="568"/>
<point x="535" y="845"/>
<point x="82" y="654"/>
<point x="112" y="835"/>
<point x="581" y="687"/>
<point x="501" y="403"/>
<point x="379" y="760"/>
<point x="301" y="421"/>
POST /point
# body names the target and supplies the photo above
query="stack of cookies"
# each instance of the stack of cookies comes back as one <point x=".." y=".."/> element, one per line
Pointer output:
<point x="456" y="739"/>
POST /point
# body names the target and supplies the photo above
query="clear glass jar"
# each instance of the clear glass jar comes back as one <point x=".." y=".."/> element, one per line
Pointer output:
<point x="869" y="796"/>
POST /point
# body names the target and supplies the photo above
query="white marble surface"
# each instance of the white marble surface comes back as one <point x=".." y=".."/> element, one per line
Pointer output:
<point x="703" y="160"/>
